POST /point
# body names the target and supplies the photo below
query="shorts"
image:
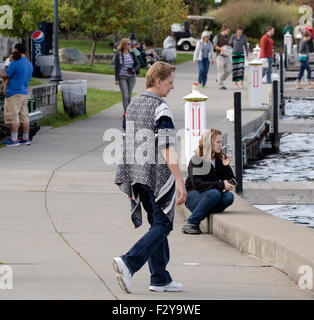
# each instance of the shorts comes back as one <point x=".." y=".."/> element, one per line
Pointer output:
<point x="16" y="109"/>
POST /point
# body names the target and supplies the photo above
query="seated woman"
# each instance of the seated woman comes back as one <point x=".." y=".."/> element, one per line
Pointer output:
<point x="207" y="182"/>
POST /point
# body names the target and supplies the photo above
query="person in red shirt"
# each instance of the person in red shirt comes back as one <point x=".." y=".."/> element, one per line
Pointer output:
<point x="310" y="41"/>
<point x="266" y="45"/>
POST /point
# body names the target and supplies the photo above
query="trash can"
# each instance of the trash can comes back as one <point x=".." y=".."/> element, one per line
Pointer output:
<point x="45" y="64"/>
<point x="74" y="97"/>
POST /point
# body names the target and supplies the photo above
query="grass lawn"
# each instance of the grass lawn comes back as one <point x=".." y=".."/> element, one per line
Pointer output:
<point x="36" y="82"/>
<point x="106" y="68"/>
<point x="96" y="101"/>
<point x="85" y="46"/>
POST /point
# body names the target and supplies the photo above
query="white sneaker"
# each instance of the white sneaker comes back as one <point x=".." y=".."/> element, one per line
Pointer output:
<point x="123" y="274"/>
<point x="171" y="287"/>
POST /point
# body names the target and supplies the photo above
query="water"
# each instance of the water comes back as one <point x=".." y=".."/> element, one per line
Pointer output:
<point x="295" y="162"/>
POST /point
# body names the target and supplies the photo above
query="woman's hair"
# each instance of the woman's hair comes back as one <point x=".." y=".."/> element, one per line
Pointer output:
<point x="159" y="70"/>
<point x="306" y="33"/>
<point x="239" y="28"/>
<point x="123" y="43"/>
<point x="224" y="27"/>
<point x="205" y="147"/>
<point x="205" y="34"/>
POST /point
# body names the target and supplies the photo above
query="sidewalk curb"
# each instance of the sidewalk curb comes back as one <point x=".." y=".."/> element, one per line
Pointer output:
<point x="274" y="241"/>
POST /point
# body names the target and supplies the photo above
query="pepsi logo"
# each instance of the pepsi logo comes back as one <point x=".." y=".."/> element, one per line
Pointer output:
<point x="38" y="36"/>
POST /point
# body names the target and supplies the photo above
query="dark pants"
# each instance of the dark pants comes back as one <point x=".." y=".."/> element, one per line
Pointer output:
<point x="203" y="67"/>
<point x="202" y="204"/>
<point x="304" y="65"/>
<point x="153" y="246"/>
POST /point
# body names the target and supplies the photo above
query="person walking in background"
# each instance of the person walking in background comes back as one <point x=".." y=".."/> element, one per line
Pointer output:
<point x="19" y="73"/>
<point x="126" y="68"/>
<point x="303" y="58"/>
<point x="203" y="55"/>
<point x="149" y="183"/>
<point x="266" y="45"/>
<point x="239" y="46"/>
<point x="224" y="64"/>
<point x="297" y="34"/>
<point x="310" y="41"/>
<point x="288" y="28"/>
<point x="208" y="182"/>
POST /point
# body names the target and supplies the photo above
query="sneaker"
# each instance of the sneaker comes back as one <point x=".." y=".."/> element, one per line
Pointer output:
<point x="123" y="274"/>
<point x="190" y="228"/>
<point x="11" y="143"/>
<point x="26" y="142"/>
<point x="222" y="88"/>
<point x="171" y="287"/>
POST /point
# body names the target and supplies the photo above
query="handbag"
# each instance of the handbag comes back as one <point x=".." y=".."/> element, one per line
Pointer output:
<point x="302" y="57"/>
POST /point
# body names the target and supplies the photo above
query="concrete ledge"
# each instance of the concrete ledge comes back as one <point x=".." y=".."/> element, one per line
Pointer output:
<point x="282" y="244"/>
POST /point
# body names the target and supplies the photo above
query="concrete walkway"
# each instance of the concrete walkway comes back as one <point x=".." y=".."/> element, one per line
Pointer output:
<point x="63" y="219"/>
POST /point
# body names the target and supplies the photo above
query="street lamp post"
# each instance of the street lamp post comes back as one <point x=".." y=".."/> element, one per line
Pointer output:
<point x="56" y="72"/>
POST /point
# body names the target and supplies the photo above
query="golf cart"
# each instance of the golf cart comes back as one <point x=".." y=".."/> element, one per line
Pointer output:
<point x="183" y="34"/>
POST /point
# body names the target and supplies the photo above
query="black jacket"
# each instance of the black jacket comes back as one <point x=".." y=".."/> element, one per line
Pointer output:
<point x="117" y="65"/>
<point x="203" y="176"/>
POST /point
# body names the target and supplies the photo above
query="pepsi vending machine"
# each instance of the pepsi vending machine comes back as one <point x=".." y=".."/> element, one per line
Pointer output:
<point x="41" y="44"/>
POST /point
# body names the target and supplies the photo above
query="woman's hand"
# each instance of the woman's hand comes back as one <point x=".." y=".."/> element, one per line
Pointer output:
<point x="212" y="61"/>
<point x="226" y="160"/>
<point x="117" y="83"/>
<point x="228" y="186"/>
<point x="194" y="61"/>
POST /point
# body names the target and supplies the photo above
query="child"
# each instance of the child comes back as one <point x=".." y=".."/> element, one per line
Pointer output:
<point x="303" y="58"/>
<point x="15" y="55"/>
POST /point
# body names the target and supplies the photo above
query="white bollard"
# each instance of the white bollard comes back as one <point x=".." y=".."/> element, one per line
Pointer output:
<point x="256" y="83"/>
<point x="195" y="120"/>
<point x="288" y="43"/>
<point x="257" y="52"/>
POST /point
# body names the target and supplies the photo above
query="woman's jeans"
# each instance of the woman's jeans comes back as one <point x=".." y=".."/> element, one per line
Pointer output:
<point x="201" y="204"/>
<point x="203" y="67"/>
<point x="304" y="65"/>
<point x="126" y="84"/>
<point x="153" y="246"/>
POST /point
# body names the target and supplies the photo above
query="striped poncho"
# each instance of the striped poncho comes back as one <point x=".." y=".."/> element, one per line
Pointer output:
<point x="149" y="129"/>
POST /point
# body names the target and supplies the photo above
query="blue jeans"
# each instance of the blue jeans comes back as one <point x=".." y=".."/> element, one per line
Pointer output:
<point x="268" y="70"/>
<point x="153" y="246"/>
<point x="203" y="67"/>
<point x="202" y="204"/>
<point x="126" y="84"/>
<point x="304" y="65"/>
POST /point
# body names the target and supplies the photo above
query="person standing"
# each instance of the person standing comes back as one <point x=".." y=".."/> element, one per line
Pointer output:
<point x="310" y="41"/>
<point x="297" y="34"/>
<point x="303" y="58"/>
<point x="204" y="55"/>
<point x="19" y="73"/>
<point x="239" y="46"/>
<point x="150" y="180"/>
<point x="208" y="182"/>
<point x="266" y="45"/>
<point x="126" y="68"/>
<point x="224" y="64"/>
<point x="288" y="28"/>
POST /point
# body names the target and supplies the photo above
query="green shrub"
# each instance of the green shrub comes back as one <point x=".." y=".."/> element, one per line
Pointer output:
<point x="255" y="16"/>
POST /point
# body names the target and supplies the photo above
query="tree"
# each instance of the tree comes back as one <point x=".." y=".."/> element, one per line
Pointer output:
<point x="96" y="18"/>
<point x="27" y="14"/>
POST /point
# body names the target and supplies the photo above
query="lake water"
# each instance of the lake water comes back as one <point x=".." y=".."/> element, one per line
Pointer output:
<point x="295" y="162"/>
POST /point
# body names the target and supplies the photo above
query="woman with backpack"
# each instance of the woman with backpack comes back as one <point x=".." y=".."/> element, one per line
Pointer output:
<point x="127" y="67"/>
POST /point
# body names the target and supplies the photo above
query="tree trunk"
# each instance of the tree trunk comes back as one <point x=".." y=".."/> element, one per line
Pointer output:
<point x="92" y="56"/>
